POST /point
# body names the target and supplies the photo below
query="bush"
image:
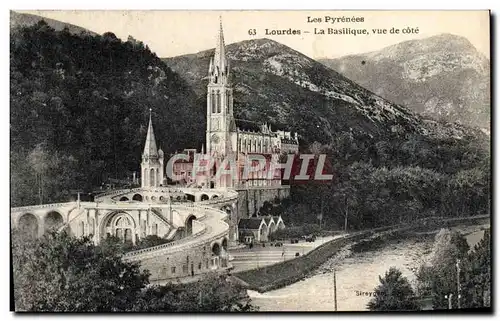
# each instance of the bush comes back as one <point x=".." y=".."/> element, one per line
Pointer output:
<point x="393" y="294"/>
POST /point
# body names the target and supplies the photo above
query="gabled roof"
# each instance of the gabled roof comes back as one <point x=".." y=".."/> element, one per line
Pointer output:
<point x="278" y="218"/>
<point x="252" y="223"/>
<point x="268" y="220"/>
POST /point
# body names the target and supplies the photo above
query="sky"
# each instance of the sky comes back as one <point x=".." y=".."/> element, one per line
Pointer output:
<point x="173" y="33"/>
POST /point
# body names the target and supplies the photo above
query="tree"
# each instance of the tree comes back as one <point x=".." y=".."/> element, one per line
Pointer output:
<point x="211" y="294"/>
<point x="439" y="279"/>
<point x="477" y="287"/>
<point x="63" y="273"/>
<point x="393" y="294"/>
<point x="57" y="95"/>
<point x="39" y="162"/>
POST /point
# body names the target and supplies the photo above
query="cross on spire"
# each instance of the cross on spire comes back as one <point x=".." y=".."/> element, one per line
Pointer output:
<point x="150" y="149"/>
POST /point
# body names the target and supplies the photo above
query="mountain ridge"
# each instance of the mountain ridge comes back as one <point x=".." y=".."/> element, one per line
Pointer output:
<point x="442" y="76"/>
<point x="20" y="19"/>
<point x="260" y="67"/>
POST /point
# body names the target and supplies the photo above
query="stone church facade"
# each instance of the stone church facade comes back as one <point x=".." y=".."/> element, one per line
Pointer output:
<point x="227" y="137"/>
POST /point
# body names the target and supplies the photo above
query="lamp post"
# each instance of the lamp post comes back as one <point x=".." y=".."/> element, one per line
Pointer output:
<point x="449" y="297"/>
<point x="458" y="283"/>
<point x="335" y="288"/>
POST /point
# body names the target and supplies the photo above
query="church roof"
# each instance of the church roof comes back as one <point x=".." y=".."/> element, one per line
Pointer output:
<point x="150" y="149"/>
<point x="277" y="218"/>
<point x="268" y="219"/>
<point x="252" y="223"/>
<point x="243" y="124"/>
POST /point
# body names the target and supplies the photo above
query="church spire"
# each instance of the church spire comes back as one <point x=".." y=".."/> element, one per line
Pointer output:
<point x="219" y="67"/>
<point x="150" y="150"/>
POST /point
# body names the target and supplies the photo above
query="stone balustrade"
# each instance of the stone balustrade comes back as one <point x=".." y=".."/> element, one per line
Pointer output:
<point x="37" y="207"/>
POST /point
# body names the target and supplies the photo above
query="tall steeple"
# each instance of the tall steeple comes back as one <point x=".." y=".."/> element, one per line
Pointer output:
<point x="152" y="160"/>
<point x="220" y="50"/>
<point x="150" y="150"/>
<point x="220" y="120"/>
<point x="219" y="67"/>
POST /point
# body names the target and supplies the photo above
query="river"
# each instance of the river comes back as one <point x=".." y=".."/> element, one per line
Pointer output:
<point x="356" y="273"/>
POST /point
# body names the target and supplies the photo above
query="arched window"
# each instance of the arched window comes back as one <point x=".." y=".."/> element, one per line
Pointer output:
<point x="137" y="197"/>
<point x="155" y="229"/>
<point x="91" y="226"/>
<point x="152" y="181"/>
<point x="212" y="101"/>
<point x="218" y="101"/>
<point x="127" y="235"/>
<point x="81" y="229"/>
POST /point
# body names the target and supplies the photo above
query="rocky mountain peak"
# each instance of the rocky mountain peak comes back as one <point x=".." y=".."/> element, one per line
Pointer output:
<point x="443" y="76"/>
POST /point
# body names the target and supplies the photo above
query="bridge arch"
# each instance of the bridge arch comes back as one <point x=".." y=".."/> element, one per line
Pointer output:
<point x="189" y="224"/>
<point x="53" y="220"/>
<point x="137" y="197"/>
<point x="190" y="197"/>
<point x="124" y="199"/>
<point x="28" y="225"/>
<point x="204" y="197"/>
<point x="216" y="249"/>
<point x="215" y="196"/>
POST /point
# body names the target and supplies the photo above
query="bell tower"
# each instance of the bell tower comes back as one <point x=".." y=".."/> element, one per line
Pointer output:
<point x="220" y="119"/>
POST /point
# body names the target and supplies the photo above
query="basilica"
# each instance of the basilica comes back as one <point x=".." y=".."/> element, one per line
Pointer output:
<point x="230" y="137"/>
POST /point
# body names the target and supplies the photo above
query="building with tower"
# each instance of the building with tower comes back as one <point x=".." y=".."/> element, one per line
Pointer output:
<point x="228" y="137"/>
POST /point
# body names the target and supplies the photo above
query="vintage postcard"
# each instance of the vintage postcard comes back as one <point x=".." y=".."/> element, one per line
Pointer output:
<point x="250" y="161"/>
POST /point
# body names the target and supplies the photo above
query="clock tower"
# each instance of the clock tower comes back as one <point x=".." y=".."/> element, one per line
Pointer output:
<point x="220" y="119"/>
